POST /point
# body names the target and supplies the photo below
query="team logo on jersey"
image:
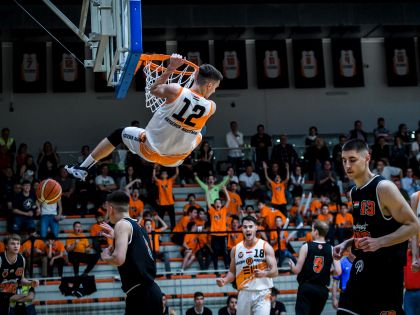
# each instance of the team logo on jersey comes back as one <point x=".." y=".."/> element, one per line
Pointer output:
<point x="19" y="272"/>
<point x="5" y="273"/>
<point x="320" y="246"/>
<point x="359" y="266"/>
<point x="388" y="313"/>
<point x="249" y="261"/>
<point x="318" y="264"/>
<point x="240" y="255"/>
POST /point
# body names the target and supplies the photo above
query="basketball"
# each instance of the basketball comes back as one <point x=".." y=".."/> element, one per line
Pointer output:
<point x="49" y="191"/>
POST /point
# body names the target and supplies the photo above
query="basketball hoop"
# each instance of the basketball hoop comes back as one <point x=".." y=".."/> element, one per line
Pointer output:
<point x="154" y="66"/>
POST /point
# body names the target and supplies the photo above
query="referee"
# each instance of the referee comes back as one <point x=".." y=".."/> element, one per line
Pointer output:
<point x="133" y="256"/>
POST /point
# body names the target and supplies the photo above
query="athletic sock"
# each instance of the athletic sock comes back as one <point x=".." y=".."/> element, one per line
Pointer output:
<point x="88" y="162"/>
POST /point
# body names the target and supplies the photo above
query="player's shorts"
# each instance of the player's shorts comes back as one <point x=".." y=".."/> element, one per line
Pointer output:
<point x="374" y="288"/>
<point x="254" y="302"/>
<point x="136" y="141"/>
<point x="144" y="300"/>
<point x="311" y="299"/>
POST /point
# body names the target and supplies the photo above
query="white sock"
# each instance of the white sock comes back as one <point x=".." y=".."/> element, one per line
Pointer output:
<point x="89" y="162"/>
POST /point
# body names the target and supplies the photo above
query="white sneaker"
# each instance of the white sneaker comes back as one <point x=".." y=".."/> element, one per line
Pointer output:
<point x="77" y="172"/>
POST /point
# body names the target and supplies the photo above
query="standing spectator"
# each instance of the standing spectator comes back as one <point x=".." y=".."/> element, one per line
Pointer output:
<point x="399" y="156"/>
<point x="409" y="183"/>
<point x="28" y="170"/>
<point x="22" y="153"/>
<point x="250" y="184"/>
<point x="311" y="137"/>
<point x="55" y="255"/>
<point x="261" y="142"/>
<point x="316" y="155"/>
<point x="381" y="130"/>
<point x="380" y="150"/>
<point x="313" y="269"/>
<point x="8" y="146"/>
<point x="47" y="161"/>
<point x="105" y="184"/>
<point x="204" y="166"/>
<point x="278" y="189"/>
<point x="403" y="133"/>
<point x="24" y="209"/>
<point x="198" y="308"/>
<point x="155" y="240"/>
<point x="192" y="202"/>
<point x="79" y="250"/>
<point x="386" y="171"/>
<point x="165" y="197"/>
<point x="297" y="180"/>
<point x="277" y="307"/>
<point x="326" y="182"/>
<point x="130" y="178"/>
<point x="357" y="132"/>
<point x="84" y="153"/>
<point x="344" y="221"/>
<point x="235" y="141"/>
<point x="50" y="217"/>
<point x="230" y="308"/>
<point x="211" y="189"/>
<point x="68" y="187"/>
<point x="336" y="155"/>
<point x="218" y="221"/>
<point x="231" y="174"/>
<point x="340" y="282"/>
<point x="284" y="153"/>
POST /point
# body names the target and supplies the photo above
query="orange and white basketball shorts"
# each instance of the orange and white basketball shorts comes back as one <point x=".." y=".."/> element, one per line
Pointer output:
<point x="252" y="302"/>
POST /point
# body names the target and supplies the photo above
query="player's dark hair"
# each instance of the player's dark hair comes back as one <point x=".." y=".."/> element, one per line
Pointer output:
<point x="198" y="294"/>
<point x="230" y="297"/>
<point x="356" y="145"/>
<point x="76" y="222"/>
<point x="119" y="200"/>
<point x="321" y="227"/>
<point x="234" y="217"/>
<point x="208" y="73"/>
<point x="191" y="209"/>
<point x="249" y="218"/>
<point x="274" y="291"/>
<point x="14" y="237"/>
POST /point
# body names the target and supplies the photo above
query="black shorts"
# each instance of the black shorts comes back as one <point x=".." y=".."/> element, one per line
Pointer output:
<point x="311" y="299"/>
<point x="374" y="288"/>
<point x="4" y="303"/>
<point x="144" y="300"/>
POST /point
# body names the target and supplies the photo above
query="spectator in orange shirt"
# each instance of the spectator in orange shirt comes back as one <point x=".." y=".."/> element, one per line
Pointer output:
<point x="205" y="251"/>
<point x="2" y="248"/>
<point x="147" y="215"/>
<point x="39" y="256"/>
<point x="100" y="241"/>
<point x="283" y="252"/>
<point x="218" y="223"/>
<point x="55" y="255"/>
<point x="344" y="222"/>
<point x="181" y="226"/>
<point x="165" y="197"/>
<point x="136" y="205"/>
<point x="191" y="246"/>
<point x="79" y="250"/>
<point x="235" y="200"/>
<point x="155" y="240"/>
<point x="268" y="215"/>
<point x="201" y="219"/>
<point x="234" y="238"/>
<point x="278" y="189"/>
<point x="191" y="198"/>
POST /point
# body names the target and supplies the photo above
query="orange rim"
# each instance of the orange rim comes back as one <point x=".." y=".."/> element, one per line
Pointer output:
<point x="144" y="58"/>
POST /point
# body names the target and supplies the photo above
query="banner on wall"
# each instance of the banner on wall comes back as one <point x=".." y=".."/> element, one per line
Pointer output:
<point x="68" y="73"/>
<point x="152" y="47"/>
<point x="29" y="67"/>
<point x="347" y="62"/>
<point x="400" y="59"/>
<point x="271" y="61"/>
<point x="308" y="63"/>
<point x="195" y="51"/>
<point x="230" y="59"/>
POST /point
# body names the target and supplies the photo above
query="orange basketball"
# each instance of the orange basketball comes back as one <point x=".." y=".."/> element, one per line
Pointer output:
<point x="49" y="191"/>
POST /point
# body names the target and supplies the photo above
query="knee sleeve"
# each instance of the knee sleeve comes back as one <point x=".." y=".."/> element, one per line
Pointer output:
<point x="115" y="137"/>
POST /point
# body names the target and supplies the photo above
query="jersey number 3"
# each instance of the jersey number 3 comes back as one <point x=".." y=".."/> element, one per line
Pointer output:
<point x="198" y="112"/>
<point x="318" y="263"/>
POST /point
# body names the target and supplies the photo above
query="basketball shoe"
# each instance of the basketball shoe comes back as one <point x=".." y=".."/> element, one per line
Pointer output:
<point x="77" y="171"/>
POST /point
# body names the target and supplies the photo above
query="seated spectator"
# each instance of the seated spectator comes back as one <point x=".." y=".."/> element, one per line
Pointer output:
<point x="155" y="240"/>
<point x="166" y="309"/>
<point x="218" y="221"/>
<point x="198" y="308"/>
<point x="136" y="205"/>
<point x="7" y="181"/>
<point x="344" y="222"/>
<point x="21" y="302"/>
<point x="297" y="180"/>
<point x="235" y="200"/>
<point x="100" y="241"/>
<point x="327" y="182"/>
<point x="130" y="181"/>
<point x="182" y="224"/>
<point x="210" y="188"/>
<point x="105" y="184"/>
<point x="202" y="219"/>
<point x="403" y="133"/>
<point x="235" y="142"/>
<point x="79" y="250"/>
<point x="311" y="137"/>
<point x="250" y="184"/>
<point x="381" y="130"/>
<point x="358" y="132"/>
<point x="277" y="307"/>
<point x="204" y="253"/>
<point x="191" y="198"/>
<point x="24" y="210"/>
<point x="326" y="216"/>
<point x="39" y="255"/>
<point x="386" y="171"/>
<point x="165" y="197"/>
<point x="275" y="239"/>
<point x="409" y="183"/>
<point x="336" y="156"/>
<point x="102" y="210"/>
<point x="55" y="255"/>
<point x="28" y="171"/>
<point x="268" y="216"/>
<point x="278" y="189"/>
<point x="204" y="166"/>
<point x="50" y="217"/>
<point x="399" y="154"/>
<point x="230" y="308"/>
<point x="48" y="161"/>
<point x="68" y="187"/>
<point x="21" y="155"/>
<point x="190" y="246"/>
<point x="231" y="174"/>
<point x="315" y="156"/>
<point x="234" y="238"/>
<point x="380" y="150"/>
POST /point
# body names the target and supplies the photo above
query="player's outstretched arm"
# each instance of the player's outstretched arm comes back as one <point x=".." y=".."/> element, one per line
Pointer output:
<point x="160" y="88"/>
<point x="230" y="276"/>
<point x="392" y="200"/>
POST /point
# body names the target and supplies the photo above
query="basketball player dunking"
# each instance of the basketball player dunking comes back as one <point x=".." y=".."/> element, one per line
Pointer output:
<point x="383" y="222"/>
<point x="174" y="130"/>
<point x="133" y="256"/>
<point x="252" y="266"/>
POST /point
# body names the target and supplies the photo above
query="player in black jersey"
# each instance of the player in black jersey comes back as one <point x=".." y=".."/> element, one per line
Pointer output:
<point x="383" y="222"/>
<point x="314" y="272"/>
<point x="133" y="256"/>
<point x="12" y="269"/>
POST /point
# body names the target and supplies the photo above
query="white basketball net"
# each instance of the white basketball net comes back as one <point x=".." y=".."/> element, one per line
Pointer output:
<point x="154" y="71"/>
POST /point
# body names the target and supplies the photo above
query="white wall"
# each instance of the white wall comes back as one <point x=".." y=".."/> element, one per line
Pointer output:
<point x="70" y="120"/>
